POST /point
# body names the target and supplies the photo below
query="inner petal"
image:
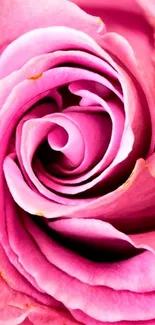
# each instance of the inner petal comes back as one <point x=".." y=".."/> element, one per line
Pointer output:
<point x="117" y="116"/>
<point x="95" y="128"/>
<point x="92" y="93"/>
<point x="76" y="136"/>
<point x="34" y="131"/>
<point x="58" y="138"/>
<point x="65" y="140"/>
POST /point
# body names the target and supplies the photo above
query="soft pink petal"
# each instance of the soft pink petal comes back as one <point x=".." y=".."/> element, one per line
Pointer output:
<point x="17" y="282"/>
<point x="35" y="36"/>
<point x="16" y="308"/>
<point x="52" y="317"/>
<point x="124" y="275"/>
<point x="43" y="62"/>
<point x="34" y="131"/>
<point x="110" y="207"/>
<point x="30" y="201"/>
<point x="85" y="319"/>
<point x="18" y="17"/>
<point x="29" y="287"/>
<point x="116" y="113"/>
<point x="34" y="91"/>
<point x="24" y="49"/>
<point x="12" y="315"/>
<point x="64" y="289"/>
<point x="24" y="243"/>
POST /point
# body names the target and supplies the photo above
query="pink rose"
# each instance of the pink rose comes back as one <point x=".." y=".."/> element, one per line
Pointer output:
<point x="77" y="163"/>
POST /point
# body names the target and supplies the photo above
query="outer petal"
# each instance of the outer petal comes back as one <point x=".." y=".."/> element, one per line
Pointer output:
<point x="117" y="15"/>
<point x="18" y="17"/>
<point x="86" y="320"/>
<point x="119" y="47"/>
<point x="51" y="317"/>
<point x="148" y="8"/>
<point x="17" y="282"/>
<point x="17" y="308"/>
<point x="14" y="307"/>
<point x="61" y="286"/>
<point x="89" y="234"/>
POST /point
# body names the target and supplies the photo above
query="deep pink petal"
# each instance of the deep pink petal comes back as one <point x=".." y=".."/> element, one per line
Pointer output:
<point x="117" y="17"/>
<point x="27" y="322"/>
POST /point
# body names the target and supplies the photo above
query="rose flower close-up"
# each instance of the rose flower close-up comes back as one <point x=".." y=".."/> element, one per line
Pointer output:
<point x="77" y="162"/>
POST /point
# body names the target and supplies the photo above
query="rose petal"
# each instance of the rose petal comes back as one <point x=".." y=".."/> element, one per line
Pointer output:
<point x="23" y="17"/>
<point x="17" y="282"/>
<point x="60" y="285"/>
<point x="43" y="62"/>
<point x="117" y="118"/>
<point x="117" y="44"/>
<point x="117" y="18"/>
<point x="115" y="208"/>
<point x="41" y="128"/>
<point x="149" y="10"/>
<point x="22" y="46"/>
<point x="113" y="275"/>
<point x="85" y="319"/>
<point x="51" y="317"/>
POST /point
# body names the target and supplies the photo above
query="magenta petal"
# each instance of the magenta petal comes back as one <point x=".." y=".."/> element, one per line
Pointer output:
<point x="27" y="322"/>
